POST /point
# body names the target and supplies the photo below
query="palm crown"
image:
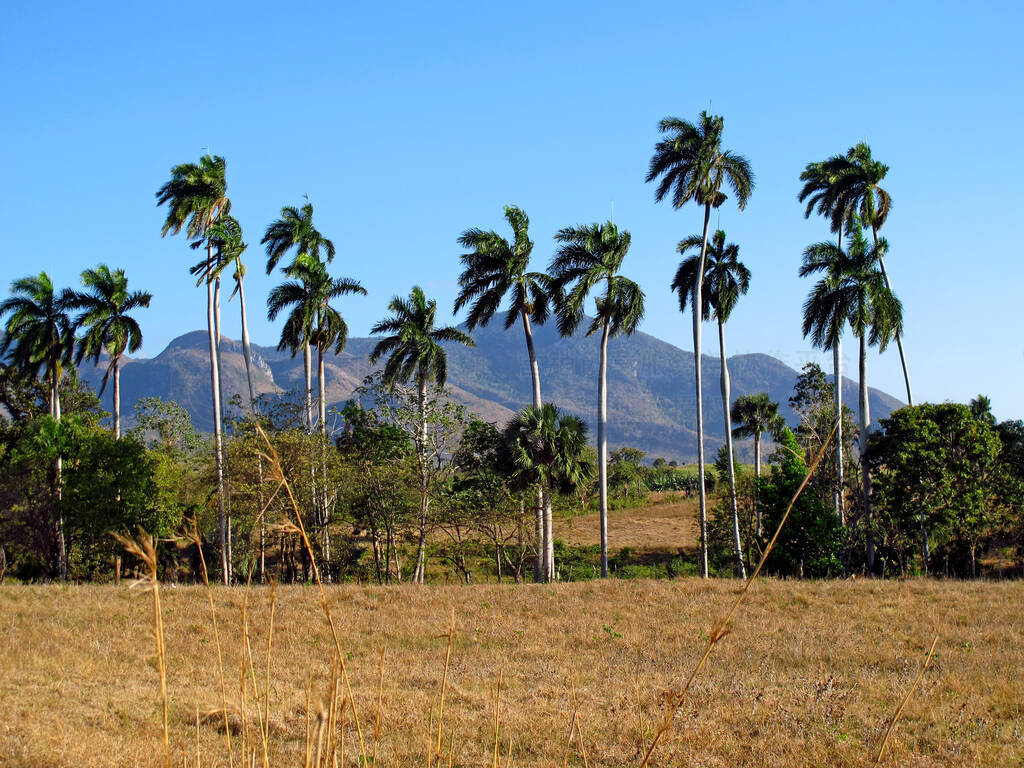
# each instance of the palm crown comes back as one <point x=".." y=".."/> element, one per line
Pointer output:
<point x="295" y="230"/>
<point x="39" y="334"/>
<point x="496" y="268"/>
<point x="547" y="446"/>
<point x="845" y="186"/>
<point x="725" y="276"/>
<point x="196" y="197"/>
<point x="692" y="165"/>
<point x="588" y="255"/>
<point x="414" y="345"/>
<point x="755" y="415"/>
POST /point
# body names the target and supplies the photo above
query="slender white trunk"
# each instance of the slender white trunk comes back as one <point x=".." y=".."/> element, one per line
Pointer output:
<point x="322" y="386"/>
<point x="62" y="550"/>
<point x="549" y="541"/>
<point x="602" y="444"/>
<point x="899" y="336"/>
<point x="218" y="446"/>
<point x="421" y="547"/>
<point x="741" y="570"/>
<point x="539" y="567"/>
<point x="757" y="474"/>
<point x="837" y="367"/>
<point x="865" y="425"/>
<point x="698" y="379"/>
<point x="307" y="367"/>
<point x="542" y="547"/>
<point x="116" y="362"/>
<point x="246" y="350"/>
<point x="325" y="501"/>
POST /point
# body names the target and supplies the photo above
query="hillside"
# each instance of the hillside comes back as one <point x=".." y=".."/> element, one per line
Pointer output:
<point x="651" y="400"/>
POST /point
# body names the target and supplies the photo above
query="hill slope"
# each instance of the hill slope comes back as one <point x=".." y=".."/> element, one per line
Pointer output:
<point x="651" y="401"/>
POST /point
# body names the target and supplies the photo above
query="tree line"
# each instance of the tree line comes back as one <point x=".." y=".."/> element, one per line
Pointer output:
<point x="541" y="456"/>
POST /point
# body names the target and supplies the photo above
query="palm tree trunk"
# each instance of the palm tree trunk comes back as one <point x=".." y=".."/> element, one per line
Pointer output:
<point x="837" y="367"/>
<point x="62" y="550"/>
<point x="322" y="386"/>
<point x="246" y="349"/>
<point x="538" y="572"/>
<point x="220" y="395"/>
<point x="218" y="446"/>
<point x="757" y="475"/>
<point x="741" y="570"/>
<point x="307" y="367"/>
<point x="602" y="444"/>
<point x="698" y="379"/>
<point x="865" y="424"/>
<point x="421" y="546"/>
<point x="899" y="336"/>
<point x="549" y="541"/>
<point x="116" y="362"/>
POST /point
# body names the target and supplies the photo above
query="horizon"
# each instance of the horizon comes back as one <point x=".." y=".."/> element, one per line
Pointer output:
<point x="427" y="121"/>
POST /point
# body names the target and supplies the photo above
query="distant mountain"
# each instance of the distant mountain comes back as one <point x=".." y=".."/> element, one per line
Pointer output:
<point x="651" y="400"/>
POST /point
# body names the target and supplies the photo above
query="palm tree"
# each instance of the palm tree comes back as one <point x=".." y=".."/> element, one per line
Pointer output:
<point x="860" y="192"/>
<point x="414" y="354"/>
<point x="588" y="256"/>
<point x="854" y="291"/>
<point x="692" y="166"/>
<point x="39" y="336"/>
<point x="754" y="415"/>
<point x="548" y="448"/>
<point x="821" y="193"/>
<point x="295" y="230"/>
<point x="196" y="198"/>
<point x="494" y="269"/>
<point x="109" y="328"/>
<point x="725" y="280"/>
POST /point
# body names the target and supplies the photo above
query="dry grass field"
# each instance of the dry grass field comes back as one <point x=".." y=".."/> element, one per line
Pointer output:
<point x="667" y="523"/>
<point x="809" y="676"/>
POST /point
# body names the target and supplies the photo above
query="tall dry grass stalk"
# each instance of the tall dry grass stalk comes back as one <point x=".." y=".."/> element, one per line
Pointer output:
<point x="144" y="548"/>
<point x="277" y="474"/>
<point x="903" y="704"/>
<point x="721" y="629"/>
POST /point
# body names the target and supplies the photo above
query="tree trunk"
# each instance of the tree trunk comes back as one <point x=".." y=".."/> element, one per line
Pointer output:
<point x="117" y="397"/>
<point x="62" y="550"/>
<point x="757" y="475"/>
<point x="246" y="349"/>
<point x="421" y="546"/>
<point x="549" y="541"/>
<point x="865" y="424"/>
<point x="602" y="444"/>
<point x="322" y="385"/>
<point x="324" y="503"/>
<point x="837" y="363"/>
<point x="899" y="336"/>
<point x="218" y="445"/>
<point x="538" y="571"/>
<point x="741" y="570"/>
<point x="698" y="311"/>
<point x="539" y="568"/>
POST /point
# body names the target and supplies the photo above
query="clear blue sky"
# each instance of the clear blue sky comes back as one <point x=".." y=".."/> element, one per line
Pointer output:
<point x="408" y="123"/>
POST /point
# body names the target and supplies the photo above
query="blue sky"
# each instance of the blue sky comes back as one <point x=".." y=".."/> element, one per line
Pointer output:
<point x="408" y="123"/>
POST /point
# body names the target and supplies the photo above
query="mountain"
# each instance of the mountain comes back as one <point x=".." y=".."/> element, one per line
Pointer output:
<point x="651" y="399"/>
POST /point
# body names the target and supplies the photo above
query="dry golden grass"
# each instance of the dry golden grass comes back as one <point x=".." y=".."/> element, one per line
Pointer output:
<point x="810" y="675"/>
<point x="668" y="523"/>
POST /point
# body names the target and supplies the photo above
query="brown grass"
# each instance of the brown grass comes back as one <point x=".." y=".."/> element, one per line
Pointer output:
<point x="667" y="523"/>
<point x="811" y="675"/>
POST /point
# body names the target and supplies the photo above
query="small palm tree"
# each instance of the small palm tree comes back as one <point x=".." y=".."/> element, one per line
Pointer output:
<point x="854" y="291"/>
<point x="295" y="230"/>
<point x="755" y="415"/>
<point x="725" y="280"/>
<point x="39" y="337"/>
<point x="414" y="352"/>
<point x="691" y="165"/>
<point x="550" y="449"/>
<point x="196" y="199"/>
<point x="492" y="270"/>
<point x="587" y="257"/>
<point x="108" y="326"/>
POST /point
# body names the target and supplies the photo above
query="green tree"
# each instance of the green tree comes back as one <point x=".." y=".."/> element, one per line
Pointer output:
<point x="589" y="255"/>
<point x="108" y="326"/>
<point x="548" y="447"/>
<point x="196" y="199"/>
<point x="754" y="415"/>
<point x="726" y="278"/>
<point x="39" y="337"/>
<point x="691" y="164"/>
<point x="852" y="291"/>
<point x="294" y="230"/>
<point x="414" y="352"/>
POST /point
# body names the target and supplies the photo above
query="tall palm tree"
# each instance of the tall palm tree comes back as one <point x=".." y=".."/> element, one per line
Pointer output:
<point x="754" y="415"/>
<point x="854" y="291"/>
<point x="415" y="354"/>
<point x="548" y="448"/>
<point x="691" y="164"/>
<point x="39" y="337"/>
<point x="725" y="280"/>
<point x="295" y="230"/>
<point x="109" y="328"/>
<point x="821" y="193"/>
<point x="588" y="256"/>
<point x="196" y="198"/>
<point x="494" y="269"/>
<point x="860" y="193"/>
